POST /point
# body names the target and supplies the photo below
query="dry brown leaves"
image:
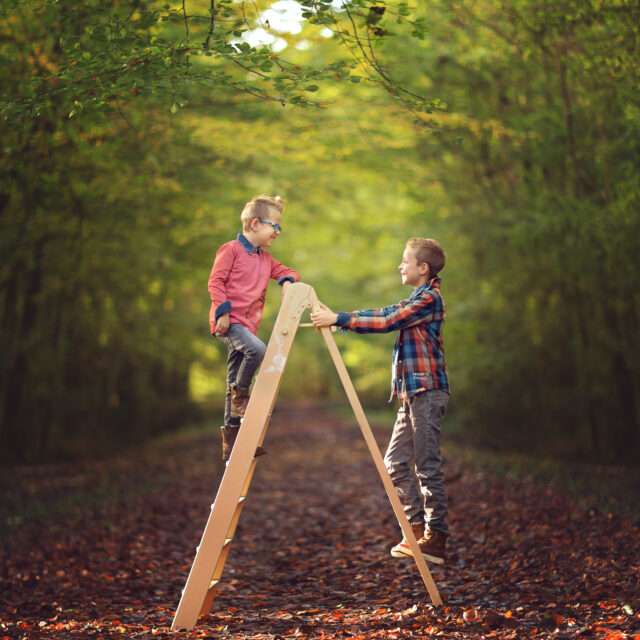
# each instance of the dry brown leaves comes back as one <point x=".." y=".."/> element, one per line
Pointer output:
<point x="311" y="554"/>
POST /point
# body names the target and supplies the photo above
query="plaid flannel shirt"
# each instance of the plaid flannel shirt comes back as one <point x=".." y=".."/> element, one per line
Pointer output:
<point x="418" y="361"/>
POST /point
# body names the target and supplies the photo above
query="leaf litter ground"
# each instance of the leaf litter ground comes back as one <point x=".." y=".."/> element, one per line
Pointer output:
<point x="103" y="549"/>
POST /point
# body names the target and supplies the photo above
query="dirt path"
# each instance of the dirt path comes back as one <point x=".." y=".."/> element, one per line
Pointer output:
<point x="311" y="554"/>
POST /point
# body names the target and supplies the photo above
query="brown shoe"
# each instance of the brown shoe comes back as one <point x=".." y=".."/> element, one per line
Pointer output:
<point x="402" y="549"/>
<point x="432" y="545"/>
<point x="229" y="435"/>
<point x="239" y="401"/>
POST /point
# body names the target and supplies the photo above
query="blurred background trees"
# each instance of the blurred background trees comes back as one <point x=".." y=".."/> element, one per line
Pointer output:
<point x="133" y="133"/>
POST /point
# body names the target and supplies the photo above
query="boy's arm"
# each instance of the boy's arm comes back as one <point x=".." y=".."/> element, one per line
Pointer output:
<point x="281" y="273"/>
<point x="220" y="304"/>
<point x="426" y="307"/>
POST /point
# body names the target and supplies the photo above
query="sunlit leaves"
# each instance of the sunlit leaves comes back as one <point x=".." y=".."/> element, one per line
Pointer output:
<point x="99" y="52"/>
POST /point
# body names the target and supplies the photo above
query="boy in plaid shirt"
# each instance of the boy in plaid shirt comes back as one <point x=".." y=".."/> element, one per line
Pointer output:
<point x="420" y="381"/>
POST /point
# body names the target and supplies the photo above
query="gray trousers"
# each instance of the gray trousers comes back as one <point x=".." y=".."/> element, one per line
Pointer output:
<point x="414" y="448"/>
<point x="246" y="352"/>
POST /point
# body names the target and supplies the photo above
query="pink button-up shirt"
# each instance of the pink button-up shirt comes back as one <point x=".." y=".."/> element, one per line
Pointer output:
<point x="238" y="282"/>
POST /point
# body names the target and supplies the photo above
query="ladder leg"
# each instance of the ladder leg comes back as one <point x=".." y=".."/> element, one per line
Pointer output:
<point x="206" y="570"/>
<point x="222" y="558"/>
<point x="382" y="470"/>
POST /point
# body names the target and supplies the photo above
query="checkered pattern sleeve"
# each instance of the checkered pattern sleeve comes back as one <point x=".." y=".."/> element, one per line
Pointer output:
<point x="426" y="307"/>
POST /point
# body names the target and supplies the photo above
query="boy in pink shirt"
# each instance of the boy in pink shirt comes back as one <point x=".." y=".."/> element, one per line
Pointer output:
<point x="238" y="286"/>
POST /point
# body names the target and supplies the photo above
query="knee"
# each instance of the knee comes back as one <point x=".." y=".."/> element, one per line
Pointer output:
<point x="396" y="470"/>
<point x="261" y="348"/>
<point x="388" y="463"/>
<point x="256" y="351"/>
<point x="396" y="461"/>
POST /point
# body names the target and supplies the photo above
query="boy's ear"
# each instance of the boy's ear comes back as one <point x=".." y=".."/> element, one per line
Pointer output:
<point x="424" y="268"/>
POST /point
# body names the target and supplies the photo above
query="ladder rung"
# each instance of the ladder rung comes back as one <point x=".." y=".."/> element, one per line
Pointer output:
<point x="226" y="542"/>
<point x="240" y="501"/>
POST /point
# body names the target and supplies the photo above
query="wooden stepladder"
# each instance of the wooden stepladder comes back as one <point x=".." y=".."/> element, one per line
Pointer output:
<point x="211" y="555"/>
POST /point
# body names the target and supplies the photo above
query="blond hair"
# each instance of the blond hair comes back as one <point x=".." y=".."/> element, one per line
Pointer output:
<point x="258" y="207"/>
<point x="429" y="251"/>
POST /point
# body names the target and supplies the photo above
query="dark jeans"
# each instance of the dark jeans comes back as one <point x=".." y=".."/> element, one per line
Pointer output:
<point x="246" y="352"/>
<point x="416" y="438"/>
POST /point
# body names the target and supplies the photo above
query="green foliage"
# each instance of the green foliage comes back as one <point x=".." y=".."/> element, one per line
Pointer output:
<point x="111" y="212"/>
<point x="91" y="56"/>
<point x="134" y="133"/>
<point x="543" y="192"/>
<point x="91" y="293"/>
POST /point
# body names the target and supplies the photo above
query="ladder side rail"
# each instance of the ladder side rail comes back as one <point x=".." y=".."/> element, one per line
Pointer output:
<point x="265" y="389"/>
<point x="210" y="548"/>
<point x="263" y="397"/>
<point x="241" y="461"/>
<point x="379" y="462"/>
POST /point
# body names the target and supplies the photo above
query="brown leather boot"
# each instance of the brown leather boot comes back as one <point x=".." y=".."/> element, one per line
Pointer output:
<point x="433" y="545"/>
<point x="239" y="401"/>
<point x="402" y="549"/>
<point x="229" y="435"/>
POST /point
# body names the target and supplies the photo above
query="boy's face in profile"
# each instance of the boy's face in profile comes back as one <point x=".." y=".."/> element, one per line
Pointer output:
<point x="265" y="233"/>
<point x="412" y="273"/>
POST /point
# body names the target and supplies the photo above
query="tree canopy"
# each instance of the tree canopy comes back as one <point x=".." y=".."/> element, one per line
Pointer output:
<point x="134" y="132"/>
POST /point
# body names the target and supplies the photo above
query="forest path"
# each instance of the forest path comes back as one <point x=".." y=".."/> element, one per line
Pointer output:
<point x="310" y="558"/>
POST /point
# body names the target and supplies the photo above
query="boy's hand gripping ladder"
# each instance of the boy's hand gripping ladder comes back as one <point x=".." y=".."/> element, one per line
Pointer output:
<point x="211" y="554"/>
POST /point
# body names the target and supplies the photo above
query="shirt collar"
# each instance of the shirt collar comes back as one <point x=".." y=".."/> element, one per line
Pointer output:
<point x="247" y="245"/>
<point x="434" y="283"/>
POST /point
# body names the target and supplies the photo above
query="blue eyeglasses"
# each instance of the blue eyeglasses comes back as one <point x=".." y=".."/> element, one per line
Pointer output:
<point x="276" y="227"/>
